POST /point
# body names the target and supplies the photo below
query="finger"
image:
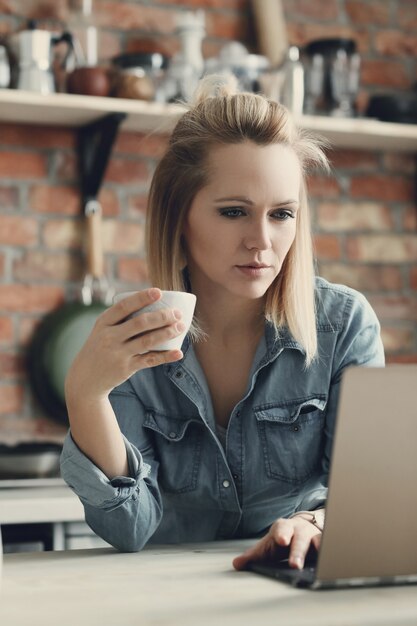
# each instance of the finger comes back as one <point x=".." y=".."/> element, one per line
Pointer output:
<point x="153" y="359"/>
<point x="122" y="309"/>
<point x="283" y="531"/>
<point x="149" y="341"/>
<point x="253" y="553"/>
<point x="148" y="321"/>
<point x="299" y="547"/>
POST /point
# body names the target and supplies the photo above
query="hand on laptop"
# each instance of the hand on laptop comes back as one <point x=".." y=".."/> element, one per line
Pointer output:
<point x="295" y="535"/>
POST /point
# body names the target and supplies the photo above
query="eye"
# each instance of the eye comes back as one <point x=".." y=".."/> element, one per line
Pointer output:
<point x="283" y="215"/>
<point x="232" y="212"/>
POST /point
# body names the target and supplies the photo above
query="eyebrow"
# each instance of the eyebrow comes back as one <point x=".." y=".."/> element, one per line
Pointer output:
<point x="248" y="201"/>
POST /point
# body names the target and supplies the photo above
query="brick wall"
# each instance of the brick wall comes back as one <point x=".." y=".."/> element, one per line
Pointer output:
<point x="365" y="216"/>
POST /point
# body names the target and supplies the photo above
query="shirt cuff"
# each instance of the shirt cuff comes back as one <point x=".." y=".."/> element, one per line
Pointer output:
<point x="91" y="485"/>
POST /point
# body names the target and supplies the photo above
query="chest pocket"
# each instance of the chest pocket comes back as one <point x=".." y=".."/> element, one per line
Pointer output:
<point x="291" y="436"/>
<point x="177" y="443"/>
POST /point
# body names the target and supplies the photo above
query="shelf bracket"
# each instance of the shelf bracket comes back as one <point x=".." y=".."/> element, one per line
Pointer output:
<point x="94" y="145"/>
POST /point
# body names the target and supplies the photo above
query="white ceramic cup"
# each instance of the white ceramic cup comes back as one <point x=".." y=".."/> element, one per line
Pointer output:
<point x="181" y="300"/>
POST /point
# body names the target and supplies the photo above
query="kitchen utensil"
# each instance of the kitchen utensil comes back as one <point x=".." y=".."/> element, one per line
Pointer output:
<point x="33" y="50"/>
<point x="234" y="58"/>
<point x="335" y="65"/>
<point x="29" y="460"/>
<point x="89" y="81"/>
<point x="4" y="68"/>
<point x="139" y="75"/>
<point x="399" y="107"/>
<point x="181" y="300"/>
<point x="63" y="332"/>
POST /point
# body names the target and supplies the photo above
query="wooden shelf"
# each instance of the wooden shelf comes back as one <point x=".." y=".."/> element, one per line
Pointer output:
<point x="71" y="110"/>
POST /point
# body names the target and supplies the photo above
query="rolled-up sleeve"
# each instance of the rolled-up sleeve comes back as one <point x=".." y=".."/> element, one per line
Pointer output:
<point x="126" y="510"/>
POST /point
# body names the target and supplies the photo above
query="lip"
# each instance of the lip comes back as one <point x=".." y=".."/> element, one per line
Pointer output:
<point x="253" y="271"/>
<point x="256" y="266"/>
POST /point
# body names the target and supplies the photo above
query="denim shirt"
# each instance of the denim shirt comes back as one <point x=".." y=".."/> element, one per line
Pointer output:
<point x="184" y="485"/>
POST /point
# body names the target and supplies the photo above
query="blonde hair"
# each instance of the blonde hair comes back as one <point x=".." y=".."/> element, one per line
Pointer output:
<point x="220" y="115"/>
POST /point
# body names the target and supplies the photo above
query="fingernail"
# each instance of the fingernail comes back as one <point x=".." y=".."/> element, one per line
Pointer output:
<point x="153" y="293"/>
<point x="298" y="562"/>
<point x="177" y="314"/>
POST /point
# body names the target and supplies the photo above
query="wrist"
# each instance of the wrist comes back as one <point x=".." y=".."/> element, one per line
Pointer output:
<point x="316" y="518"/>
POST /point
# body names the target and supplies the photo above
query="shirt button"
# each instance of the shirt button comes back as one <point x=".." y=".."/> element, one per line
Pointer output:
<point x="226" y="483"/>
<point x="172" y="435"/>
<point x="178" y="374"/>
<point x="235" y="476"/>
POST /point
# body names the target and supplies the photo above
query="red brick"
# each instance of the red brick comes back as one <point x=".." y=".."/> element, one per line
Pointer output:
<point x="352" y="216"/>
<point x="382" y="187"/>
<point x="401" y="358"/>
<point x="40" y="265"/>
<point x="410" y="218"/>
<point x="65" y="166"/>
<point x="327" y="247"/>
<point x="382" y="248"/>
<point x="413" y="278"/>
<point x="125" y="237"/>
<point x="237" y="5"/>
<point x="354" y="159"/>
<point x="11" y="398"/>
<point x="24" y="298"/>
<point x="57" y="9"/>
<point x="323" y="187"/>
<point x="18" y="231"/>
<point x="26" y="328"/>
<point x="299" y="10"/>
<point x="109" y="45"/>
<point x="9" y="197"/>
<point x="63" y="234"/>
<point x="126" y="171"/>
<point x="55" y="200"/>
<point x="397" y="339"/>
<point x="139" y="144"/>
<point x="36" y="136"/>
<point x="363" y="277"/>
<point x="299" y="34"/>
<point x="398" y="162"/>
<point x="6" y="329"/>
<point x="133" y="17"/>
<point x="137" y="205"/>
<point x="22" y="165"/>
<point x="395" y="43"/>
<point x="385" y="74"/>
<point x="227" y="26"/>
<point x="109" y="202"/>
<point x="407" y="15"/>
<point x="376" y="13"/>
<point x="11" y="366"/>
<point x="394" y="307"/>
<point x="132" y="270"/>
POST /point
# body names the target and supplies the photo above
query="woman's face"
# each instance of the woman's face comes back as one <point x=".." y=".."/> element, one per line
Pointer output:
<point x="240" y="227"/>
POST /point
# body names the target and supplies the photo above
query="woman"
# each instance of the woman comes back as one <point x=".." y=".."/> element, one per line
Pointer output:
<point x="230" y="436"/>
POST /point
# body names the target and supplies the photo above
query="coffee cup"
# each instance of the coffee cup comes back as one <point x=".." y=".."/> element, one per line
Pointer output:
<point x="181" y="300"/>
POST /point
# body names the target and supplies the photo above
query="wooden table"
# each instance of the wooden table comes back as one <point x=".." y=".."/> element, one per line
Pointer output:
<point x="188" y="585"/>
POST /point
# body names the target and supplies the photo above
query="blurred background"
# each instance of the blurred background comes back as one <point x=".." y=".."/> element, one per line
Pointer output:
<point x="365" y="215"/>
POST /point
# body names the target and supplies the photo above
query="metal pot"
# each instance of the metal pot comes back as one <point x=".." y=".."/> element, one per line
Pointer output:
<point x="29" y="460"/>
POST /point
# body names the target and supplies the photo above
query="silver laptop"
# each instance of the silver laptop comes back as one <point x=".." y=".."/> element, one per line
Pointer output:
<point x="370" y="532"/>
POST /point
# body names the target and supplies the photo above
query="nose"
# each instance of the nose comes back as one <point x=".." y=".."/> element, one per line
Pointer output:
<point x="258" y="235"/>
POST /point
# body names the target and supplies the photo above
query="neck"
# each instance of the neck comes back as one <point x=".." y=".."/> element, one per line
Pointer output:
<point x="227" y="318"/>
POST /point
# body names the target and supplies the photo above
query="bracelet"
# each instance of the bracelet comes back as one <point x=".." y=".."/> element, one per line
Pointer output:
<point x="312" y="519"/>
